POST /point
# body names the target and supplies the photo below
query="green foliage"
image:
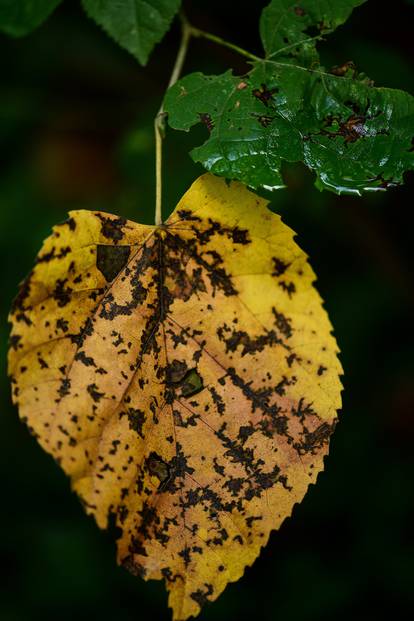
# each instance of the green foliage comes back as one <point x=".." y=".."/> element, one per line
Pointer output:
<point x="354" y="136"/>
<point x="136" y="25"/>
<point x="288" y="107"/>
<point x="19" y="17"/>
<point x="285" y="23"/>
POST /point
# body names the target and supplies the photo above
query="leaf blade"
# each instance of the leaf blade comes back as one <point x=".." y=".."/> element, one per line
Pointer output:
<point x="197" y="472"/>
<point x="353" y="136"/>
<point x="284" y="23"/>
<point x="136" y="25"/>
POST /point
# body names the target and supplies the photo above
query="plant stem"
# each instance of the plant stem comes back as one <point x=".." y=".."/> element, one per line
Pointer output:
<point x="196" y="32"/>
<point x="187" y="31"/>
<point x="159" y="121"/>
<point x="158" y="170"/>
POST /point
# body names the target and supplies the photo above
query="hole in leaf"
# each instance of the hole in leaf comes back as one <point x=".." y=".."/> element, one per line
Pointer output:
<point x="157" y="467"/>
<point x="187" y="381"/>
<point x="192" y="383"/>
<point x="110" y="260"/>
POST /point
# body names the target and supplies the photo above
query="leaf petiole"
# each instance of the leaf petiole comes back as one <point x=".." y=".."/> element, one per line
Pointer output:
<point x="202" y="34"/>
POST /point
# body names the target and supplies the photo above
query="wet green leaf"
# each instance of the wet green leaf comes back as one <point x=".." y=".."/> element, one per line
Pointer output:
<point x="19" y="17"/>
<point x="136" y="25"/>
<point x="354" y="136"/>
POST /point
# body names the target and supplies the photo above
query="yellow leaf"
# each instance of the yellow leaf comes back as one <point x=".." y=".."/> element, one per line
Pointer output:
<point x="185" y="378"/>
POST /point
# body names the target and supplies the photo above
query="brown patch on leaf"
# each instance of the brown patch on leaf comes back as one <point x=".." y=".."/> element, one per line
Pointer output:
<point x="341" y="70"/>
<point x="264" y="94"/>
<point x="299" y="11"/>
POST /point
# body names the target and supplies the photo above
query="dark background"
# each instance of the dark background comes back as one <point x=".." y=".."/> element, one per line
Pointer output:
<point x="76" y="132"/>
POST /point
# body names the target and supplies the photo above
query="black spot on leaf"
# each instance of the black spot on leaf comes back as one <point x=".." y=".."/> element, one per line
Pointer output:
<point x="112" y="228"/>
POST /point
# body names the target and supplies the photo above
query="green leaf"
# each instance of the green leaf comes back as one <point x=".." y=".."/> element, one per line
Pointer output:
<point x="355" y="137"/>
<point x="136" y="25"/>
<point x="19" y="17"/>
<point x="286" y="23"/>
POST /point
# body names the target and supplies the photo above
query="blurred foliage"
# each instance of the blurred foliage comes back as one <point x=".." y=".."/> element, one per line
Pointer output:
<point x="76" y="131"/>
<point x="18" y="17"/>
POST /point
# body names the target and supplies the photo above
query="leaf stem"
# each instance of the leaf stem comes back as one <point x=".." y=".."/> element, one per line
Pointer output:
<point x="160" y="119"/>
<point x="202" y="34"/>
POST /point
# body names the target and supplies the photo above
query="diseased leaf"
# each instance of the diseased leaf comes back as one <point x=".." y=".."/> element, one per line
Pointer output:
<point x="19" y="17"/>
<point x="185" y="378"/>
<point x="136" y="25"/>
<point x="286" y="23"/>
<point x="355" y="137"/>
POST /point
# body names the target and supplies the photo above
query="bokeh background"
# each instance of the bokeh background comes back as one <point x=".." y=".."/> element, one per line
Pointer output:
<point x="76" y="132"/>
